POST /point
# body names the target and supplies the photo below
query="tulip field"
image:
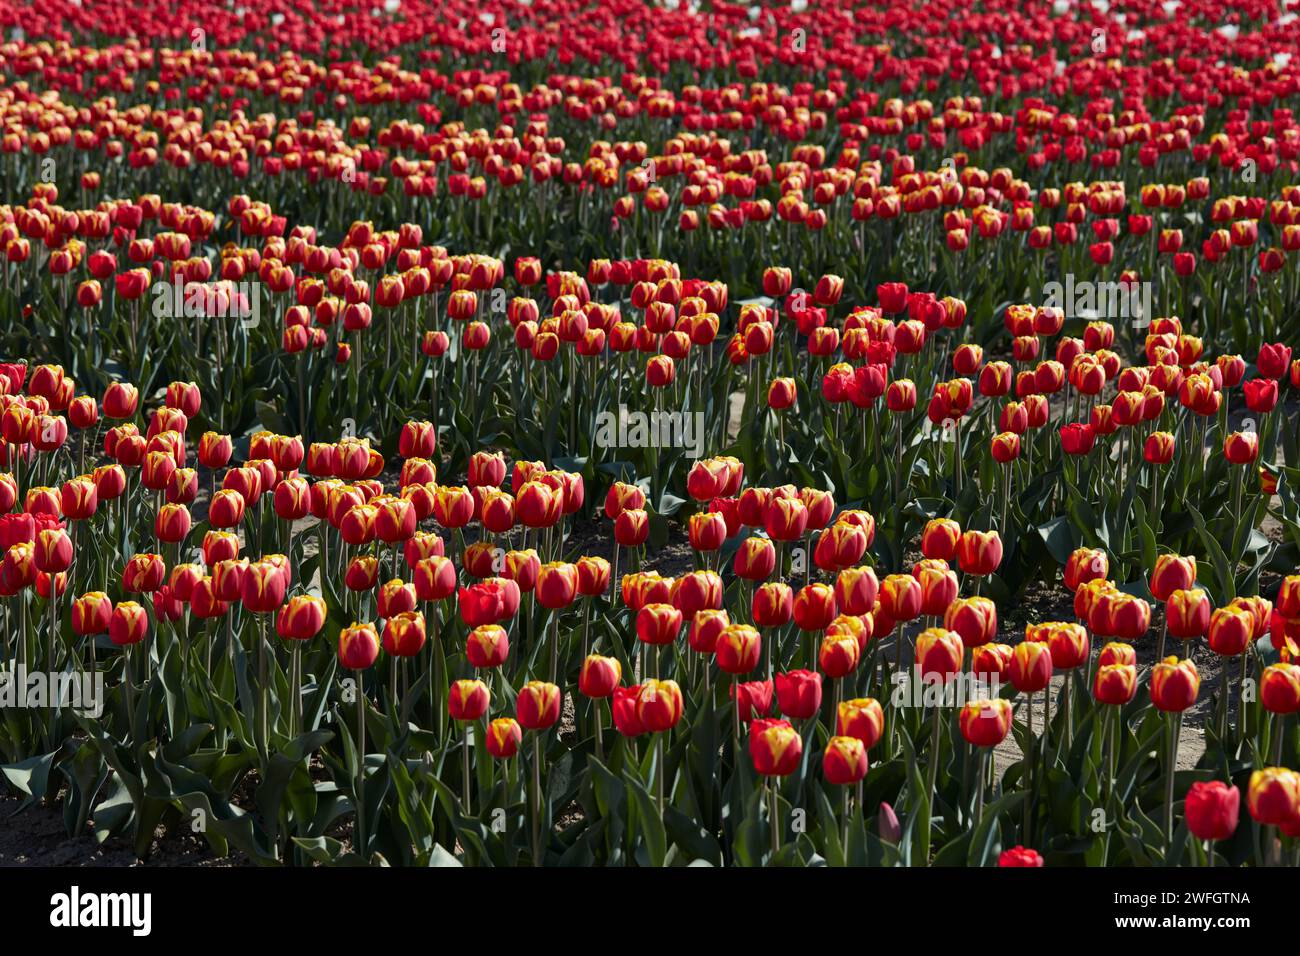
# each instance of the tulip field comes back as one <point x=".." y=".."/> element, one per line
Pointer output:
<point x="652" y="433"/>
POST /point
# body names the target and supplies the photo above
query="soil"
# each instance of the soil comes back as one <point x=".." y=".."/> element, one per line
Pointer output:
<point x="36" y="836"/>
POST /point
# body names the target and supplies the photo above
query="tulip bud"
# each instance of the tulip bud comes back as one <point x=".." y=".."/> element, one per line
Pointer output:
<point x="799" y="693"/>
<point x="985" y="723"/>
<point x="599" y="676"/>
<point x="128" y="624"/>
<point x="775" y="747"/>
<point x="91" y="613"/>
<point x="468" y="700"/>
<point x="1030" y="669"/>
<point x="1174" y="684"/>
<point x="301" y="618"/>
<point x="939" y="653"/>
<point x="974" y="619"/>
<point x="845" y="761"/>
<point x="538" y="705"/>
<point x="1273" y="796"/>
<point x="979" y="552"/>
<point x="659" y="705"/>
<point x="1279" y="688"/>
<point x="1211" y="808"/>
<point x="738" y="648"/>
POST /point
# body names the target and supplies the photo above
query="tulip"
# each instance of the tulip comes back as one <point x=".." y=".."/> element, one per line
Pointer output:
<point x="775" y="747"/>
<point x="1115" y="684"/>
<point x="900" y="597"/>
<point x="481" y="604"/>
<point x="599" y="676"/>
<point x="52" y="551"/>
<point x="1241" y="448"/>
<point x="979" y="552"/>
<point x="300" y="618"/>
<point x="128" y="624"/>
<point x="974" y="619"/>
<point x="503" y="738"/>
<point x="658" y="624"/>
<point x="939" y="653"/>
<point x="143" y="573"/>
<point x="939" y="586"/>
<point x="1020" y="857"/>
<point x="772" y="604"/>
<point x="813" y="607"/>
<point x="1031" y="667"/>
<point x="623" y="711"/>
<point x="753" y="699"/>
<point x="1084" y="565"/>
<point x="593" y="576"/>
<point x="799" y="693"/>
<point x="659" y="708"/>
<point x="705" y="628"/>
<point x="939" y="539"/>
<point x="1273" y="796"/>
<point x="844" y="761"/>
<point x="1187" y="613"/>
<point x="404" y="634"/>
<point x="631" y="528"/>
<point x="856" y="590"/>
<point x="985" y="723"/>
<point x="838" y="655"/>
<point x="755" y="559"/>
<point x="1279" y="691"/>
<point x="862" y="718"/>
<point x="708" y="530"/>
<point x="434" y="578"/>
<point x="91" y="613"/>
<point x="786" y="519"/>
<point x="1174" y="685"/>
<point x="1211" y="809"/>
<point x="538" y="705"/>
<point x="468" y="700"/>
<point x="557" y="584"/>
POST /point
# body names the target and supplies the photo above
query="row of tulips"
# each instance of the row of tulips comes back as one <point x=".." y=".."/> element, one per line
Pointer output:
<point x="444" y="645"/>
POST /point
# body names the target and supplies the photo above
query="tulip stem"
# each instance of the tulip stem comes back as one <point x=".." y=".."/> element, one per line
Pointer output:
<point x="295" y="691"/>
<point x="735" y="724"/>
<point x="128" y="689"/>
<point x="464" y="746"/>
<point x="659" y="772"/>
<point x="844" y="818"/>
<point x="1069" y="715"/>
<point x="934" y="754"/>
<point x="1112" y="750"/>
<point x="392" y="690"/>
<point x="1175" y="730"/>
<point x="772" y="812"/>
<point x="1241" y="697"/>
<point x="264" y="718"/>
<point x="537" y="799"/>
<point x="49" y="653"/>
<point x="980" y="754"/>
<point x="360" y="794"/>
